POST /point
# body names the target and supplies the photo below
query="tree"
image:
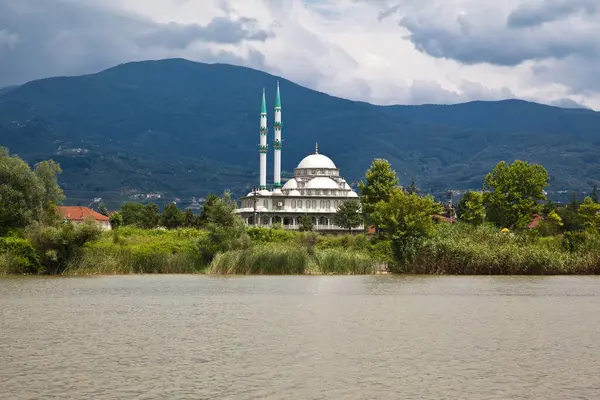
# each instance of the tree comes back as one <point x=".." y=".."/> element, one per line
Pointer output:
<point x="406" y="219"/>
<point x="306" y="223"/>
<point x="172" y="217"/>
<point x="47" y="172"/>
<point x="150" y="216"/>
<point x="132" y="213"/>
<point x="589" y="213"/>
<point x="515" y="193"/>
<point x="116" y="220"/>
<point x="189" y="219"/>
<point x="102" y="209"/>
<point x="551" y="224"/>
<point x="348" y="215"/>
<point x="210" y="200"/>
<point x="406" y="215"/>
<point x="225" y="230"/>
<point x="471" y="208"/>
<point x="380" y="181"/>
<point x="25" y="195"/>
<point x="413" y="188"/>
<point x="570" y="218"/>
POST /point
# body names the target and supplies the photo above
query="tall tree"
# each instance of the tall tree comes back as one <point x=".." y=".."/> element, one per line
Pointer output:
<point x="306" y="223"/>
<point x="25" y="195"/>
<point x="47" y="173"/>
<point x="406" y="215"/>
<point x="413" y="188"/>
<point x="102" y="209"/>
<point x="132" y="213"/>
<point x="589" y="213"/>
<point x="116" y="220"/>
<point x="172" y="217"/>
<point x="209" y="202"/>
<point x="225" y="229"/>
<point x="515" y="193"/>
<point x="188" y="219"/>
<point x="150" y="216"/>
<point x="379" y="184"/>
<point x="471" y="208"/>
<point x="348" y="215"/>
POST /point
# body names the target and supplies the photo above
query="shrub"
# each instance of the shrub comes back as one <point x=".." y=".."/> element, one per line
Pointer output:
<point x="19" y="256"/>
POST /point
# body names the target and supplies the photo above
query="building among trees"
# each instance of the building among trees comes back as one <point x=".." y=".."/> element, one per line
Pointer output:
<point x="78" y="214"/>
<point x="316" y="189"/>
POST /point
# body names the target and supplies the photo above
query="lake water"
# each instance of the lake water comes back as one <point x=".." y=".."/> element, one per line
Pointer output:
<point x="309" y="337"/>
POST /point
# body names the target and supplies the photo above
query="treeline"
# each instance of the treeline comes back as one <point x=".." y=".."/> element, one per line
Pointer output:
<point x="507" y="227"/>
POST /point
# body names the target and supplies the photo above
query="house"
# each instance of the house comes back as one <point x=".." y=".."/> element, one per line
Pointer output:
<point x="78" y="214"/>
<point x="442" y="218"/>
<point x="535" y="223"/>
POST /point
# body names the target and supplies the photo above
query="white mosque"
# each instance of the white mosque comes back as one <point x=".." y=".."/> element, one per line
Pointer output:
<point x="316" y="190"/>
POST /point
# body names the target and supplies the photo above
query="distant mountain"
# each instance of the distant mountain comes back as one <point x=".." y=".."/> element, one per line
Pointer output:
<point x="188" y="129"/>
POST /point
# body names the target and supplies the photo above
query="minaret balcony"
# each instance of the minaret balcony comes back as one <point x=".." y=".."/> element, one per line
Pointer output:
<point x="277" y="144"/>
<point x="263" y="130"/>
<point x="263" y="148"/>
<point x="277" y="124"/>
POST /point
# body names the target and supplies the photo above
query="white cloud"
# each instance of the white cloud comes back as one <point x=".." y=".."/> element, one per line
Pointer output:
<point x="414" y="51"/>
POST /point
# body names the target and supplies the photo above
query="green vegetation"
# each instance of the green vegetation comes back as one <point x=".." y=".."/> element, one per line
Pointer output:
<point x="504" y="229"/>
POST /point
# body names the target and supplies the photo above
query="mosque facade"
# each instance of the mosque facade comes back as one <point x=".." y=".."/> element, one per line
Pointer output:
<point x="316" y="189"/>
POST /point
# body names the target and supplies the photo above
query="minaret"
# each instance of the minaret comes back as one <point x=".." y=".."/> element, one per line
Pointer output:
<point x="277" y="143"/>
<point x="263" y="147"/>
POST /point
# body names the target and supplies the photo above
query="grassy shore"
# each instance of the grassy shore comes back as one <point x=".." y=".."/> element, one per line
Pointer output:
<point x="465" y="250"/>
<point x="458" y="249"/>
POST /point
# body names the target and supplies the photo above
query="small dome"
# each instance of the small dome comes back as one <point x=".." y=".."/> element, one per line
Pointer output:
<point x="317" y="161"/>
<point x="352" y="194"/>
<point x="291" y="184"/>
<point x="264" y="192"/>
<point x="321" y="182"/>
<point x="294" y="193"/>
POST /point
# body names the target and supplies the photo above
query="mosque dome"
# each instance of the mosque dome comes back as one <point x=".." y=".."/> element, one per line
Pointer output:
<point x="316" y="161"/>
<point x="352" y="194"/>
<point x="291" y="184"/>
<point x="321" y="182"/>
<point x="294" y="193"/>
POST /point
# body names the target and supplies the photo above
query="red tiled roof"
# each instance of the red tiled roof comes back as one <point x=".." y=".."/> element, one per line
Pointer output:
<point x="78" y="213"/>
<point x="536" y="221"/>
<point x="443" y="218"/>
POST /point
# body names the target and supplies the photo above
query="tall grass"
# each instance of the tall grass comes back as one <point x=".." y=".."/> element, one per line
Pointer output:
<point x="134" y="251"/>
<point x="286" y="259"/>
<point x="262" y="260"/>
<point x="465" y="250"/>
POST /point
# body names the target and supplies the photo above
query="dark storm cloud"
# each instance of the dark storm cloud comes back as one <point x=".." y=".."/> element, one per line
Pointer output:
<point x="54" y="37"/>
<point x="540" y="12"/>
<point x="480" y="37"/>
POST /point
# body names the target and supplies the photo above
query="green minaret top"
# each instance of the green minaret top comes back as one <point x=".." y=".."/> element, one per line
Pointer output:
<point x="278" y="98"/>
<point x="263" y="108"/>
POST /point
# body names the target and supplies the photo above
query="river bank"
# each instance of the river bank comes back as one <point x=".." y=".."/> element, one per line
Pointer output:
<point x="457" y="249"/>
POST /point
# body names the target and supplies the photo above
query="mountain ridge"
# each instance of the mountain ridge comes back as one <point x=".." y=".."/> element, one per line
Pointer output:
<point x="187" y="129"/>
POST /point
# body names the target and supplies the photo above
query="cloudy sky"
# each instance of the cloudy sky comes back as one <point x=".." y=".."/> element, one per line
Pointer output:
<point x="381" y="51"/>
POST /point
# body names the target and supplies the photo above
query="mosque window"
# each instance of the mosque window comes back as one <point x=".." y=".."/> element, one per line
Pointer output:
<point x="293" y="203"/>
<point x="314" y="204"/>
<point x="299" y="203"/>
